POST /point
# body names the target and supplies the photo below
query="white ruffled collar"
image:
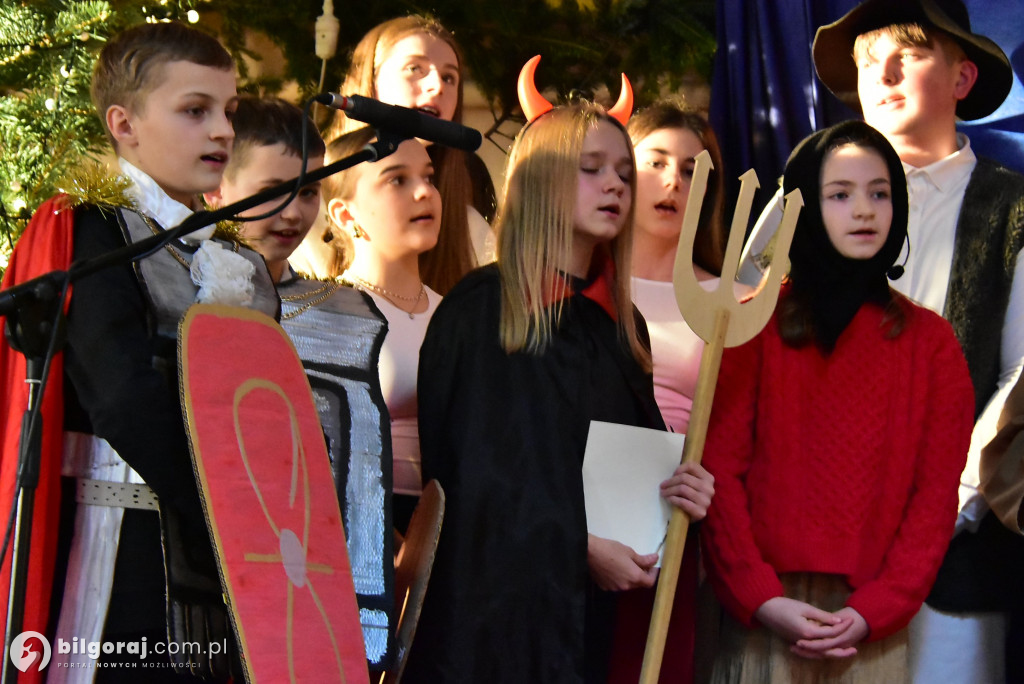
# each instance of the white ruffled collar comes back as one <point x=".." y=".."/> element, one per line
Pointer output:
<point x="222" y="276"/>
<point x="158" y="205"/>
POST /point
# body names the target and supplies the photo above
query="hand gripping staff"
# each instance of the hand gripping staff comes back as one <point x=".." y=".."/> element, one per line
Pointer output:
<point x="721" y="322"/>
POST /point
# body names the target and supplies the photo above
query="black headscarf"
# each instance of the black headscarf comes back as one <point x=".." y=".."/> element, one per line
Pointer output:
<point x="832" y="286"/>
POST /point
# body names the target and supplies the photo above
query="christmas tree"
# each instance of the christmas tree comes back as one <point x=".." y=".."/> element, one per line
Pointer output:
<point x="48" y="128"/>
<point x="46" y="121"/>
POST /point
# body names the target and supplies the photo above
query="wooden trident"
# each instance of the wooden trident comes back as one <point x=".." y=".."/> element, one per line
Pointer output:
<point x="721" y="321"/>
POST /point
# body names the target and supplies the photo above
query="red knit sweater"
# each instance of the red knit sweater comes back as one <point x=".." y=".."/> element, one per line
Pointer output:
<point x="846" y="464"/>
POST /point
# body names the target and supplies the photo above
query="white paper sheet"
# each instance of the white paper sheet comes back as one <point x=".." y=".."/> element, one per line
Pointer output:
<point x="622" y="468"/>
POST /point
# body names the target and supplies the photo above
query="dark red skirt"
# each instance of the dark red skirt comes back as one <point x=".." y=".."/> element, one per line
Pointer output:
<point x="633" y="619"/>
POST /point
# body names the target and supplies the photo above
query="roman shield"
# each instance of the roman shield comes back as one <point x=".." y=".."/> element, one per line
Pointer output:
<point x="262" y="468"/>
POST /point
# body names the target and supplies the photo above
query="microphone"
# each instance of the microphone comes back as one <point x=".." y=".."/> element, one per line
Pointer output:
<point x="896" y="271"/>
<point x="403" y="120"/>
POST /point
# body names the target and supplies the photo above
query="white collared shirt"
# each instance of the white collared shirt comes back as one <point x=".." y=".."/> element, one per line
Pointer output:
<point x="936" y="195"/>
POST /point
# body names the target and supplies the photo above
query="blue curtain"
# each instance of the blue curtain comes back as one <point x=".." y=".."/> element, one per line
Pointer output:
<point x="765" y="96"/>
<point x="1001" y="135"/>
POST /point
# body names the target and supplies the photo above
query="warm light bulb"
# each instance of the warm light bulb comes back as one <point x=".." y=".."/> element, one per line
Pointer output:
<point x="192" y="16"/>
<point x="50" y="103"/>
<point x="19" y="204"/>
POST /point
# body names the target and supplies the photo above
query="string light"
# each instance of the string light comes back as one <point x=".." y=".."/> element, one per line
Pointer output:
<point x="50" y="103"/>
<point x="192" y="16"/>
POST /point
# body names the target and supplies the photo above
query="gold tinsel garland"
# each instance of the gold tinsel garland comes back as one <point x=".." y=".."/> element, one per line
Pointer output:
<point x="92" y="183"/>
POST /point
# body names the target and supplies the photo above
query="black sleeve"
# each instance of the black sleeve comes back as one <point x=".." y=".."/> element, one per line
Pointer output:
<point x="109" y="362"/>
<point x="437" y="394"/>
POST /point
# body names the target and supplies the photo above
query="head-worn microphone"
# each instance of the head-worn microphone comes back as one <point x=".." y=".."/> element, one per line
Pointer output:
<point x="403" y="120"/>
<point x="896" y="271"/>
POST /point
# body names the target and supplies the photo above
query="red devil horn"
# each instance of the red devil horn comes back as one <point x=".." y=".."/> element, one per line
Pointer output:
<point x="623" y="109"/>
<point x="533" y="103"/>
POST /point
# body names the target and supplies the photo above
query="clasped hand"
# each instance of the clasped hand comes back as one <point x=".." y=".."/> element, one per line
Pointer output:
<point x="813" y="633"/>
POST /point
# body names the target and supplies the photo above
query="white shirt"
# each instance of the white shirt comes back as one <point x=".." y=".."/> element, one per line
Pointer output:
<point x="936" y="195"/>
<point x="154" y="202"/>
<point x="399" y="365"/>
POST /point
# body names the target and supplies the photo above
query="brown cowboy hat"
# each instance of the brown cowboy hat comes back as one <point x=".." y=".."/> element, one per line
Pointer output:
<point x="833" y="49"/>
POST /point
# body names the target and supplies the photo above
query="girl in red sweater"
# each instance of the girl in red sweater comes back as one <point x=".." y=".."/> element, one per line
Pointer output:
<point x="837" y="438"/>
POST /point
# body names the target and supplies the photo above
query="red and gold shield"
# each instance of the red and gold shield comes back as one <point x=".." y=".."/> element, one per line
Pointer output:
<point x="262" y="467"/>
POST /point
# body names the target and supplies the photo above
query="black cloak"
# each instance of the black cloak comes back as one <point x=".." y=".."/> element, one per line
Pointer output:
<point x="509" y="599"/>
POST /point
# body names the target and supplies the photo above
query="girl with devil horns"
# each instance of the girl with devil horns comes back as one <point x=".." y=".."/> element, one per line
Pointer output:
<point x="518" y="359"/>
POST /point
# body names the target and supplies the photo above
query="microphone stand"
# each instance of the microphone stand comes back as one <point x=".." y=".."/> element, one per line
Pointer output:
<point x="35" y="328"/>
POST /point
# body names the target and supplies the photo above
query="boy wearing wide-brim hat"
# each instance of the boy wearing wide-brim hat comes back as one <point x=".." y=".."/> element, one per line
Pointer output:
<point x="834" y="46"/>
<point x="912" y="68"/>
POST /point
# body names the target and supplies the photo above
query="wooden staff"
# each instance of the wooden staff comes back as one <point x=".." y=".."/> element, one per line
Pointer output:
<point x="721" y="321"/>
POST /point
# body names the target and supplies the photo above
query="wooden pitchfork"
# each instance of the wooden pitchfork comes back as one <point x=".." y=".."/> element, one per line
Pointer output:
<point x="721" y="321"/>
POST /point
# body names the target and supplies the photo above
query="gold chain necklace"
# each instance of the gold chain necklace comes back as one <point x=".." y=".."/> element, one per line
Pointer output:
<point x="175" y="253"/>
<point x="392" y="296"/>
<point x="312" y="293"/>
<point x="324" y="294"/>
<point x="388" y="293"/>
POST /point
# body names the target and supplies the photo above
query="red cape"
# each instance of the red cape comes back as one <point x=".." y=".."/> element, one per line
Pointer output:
<point x="46" y="245"/>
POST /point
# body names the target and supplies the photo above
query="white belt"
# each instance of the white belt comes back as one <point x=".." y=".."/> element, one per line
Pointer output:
<point x="120" y="494"/>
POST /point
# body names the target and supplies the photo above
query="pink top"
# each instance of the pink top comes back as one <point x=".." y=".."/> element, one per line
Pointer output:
<point x="676" y="350"/>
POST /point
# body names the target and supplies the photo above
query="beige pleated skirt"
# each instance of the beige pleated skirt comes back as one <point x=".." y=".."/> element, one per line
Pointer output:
<point x="758" y="656"/>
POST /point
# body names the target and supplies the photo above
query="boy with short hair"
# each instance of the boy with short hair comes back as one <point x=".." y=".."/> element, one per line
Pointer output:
<point x="913" y="68"/>
<point x="338" y="333"/>
<point x="166" y="94"/>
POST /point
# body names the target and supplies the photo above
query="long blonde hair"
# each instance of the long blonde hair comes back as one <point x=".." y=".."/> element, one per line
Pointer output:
<point x="535" y="231"/>
<point x="452" y="257"/>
